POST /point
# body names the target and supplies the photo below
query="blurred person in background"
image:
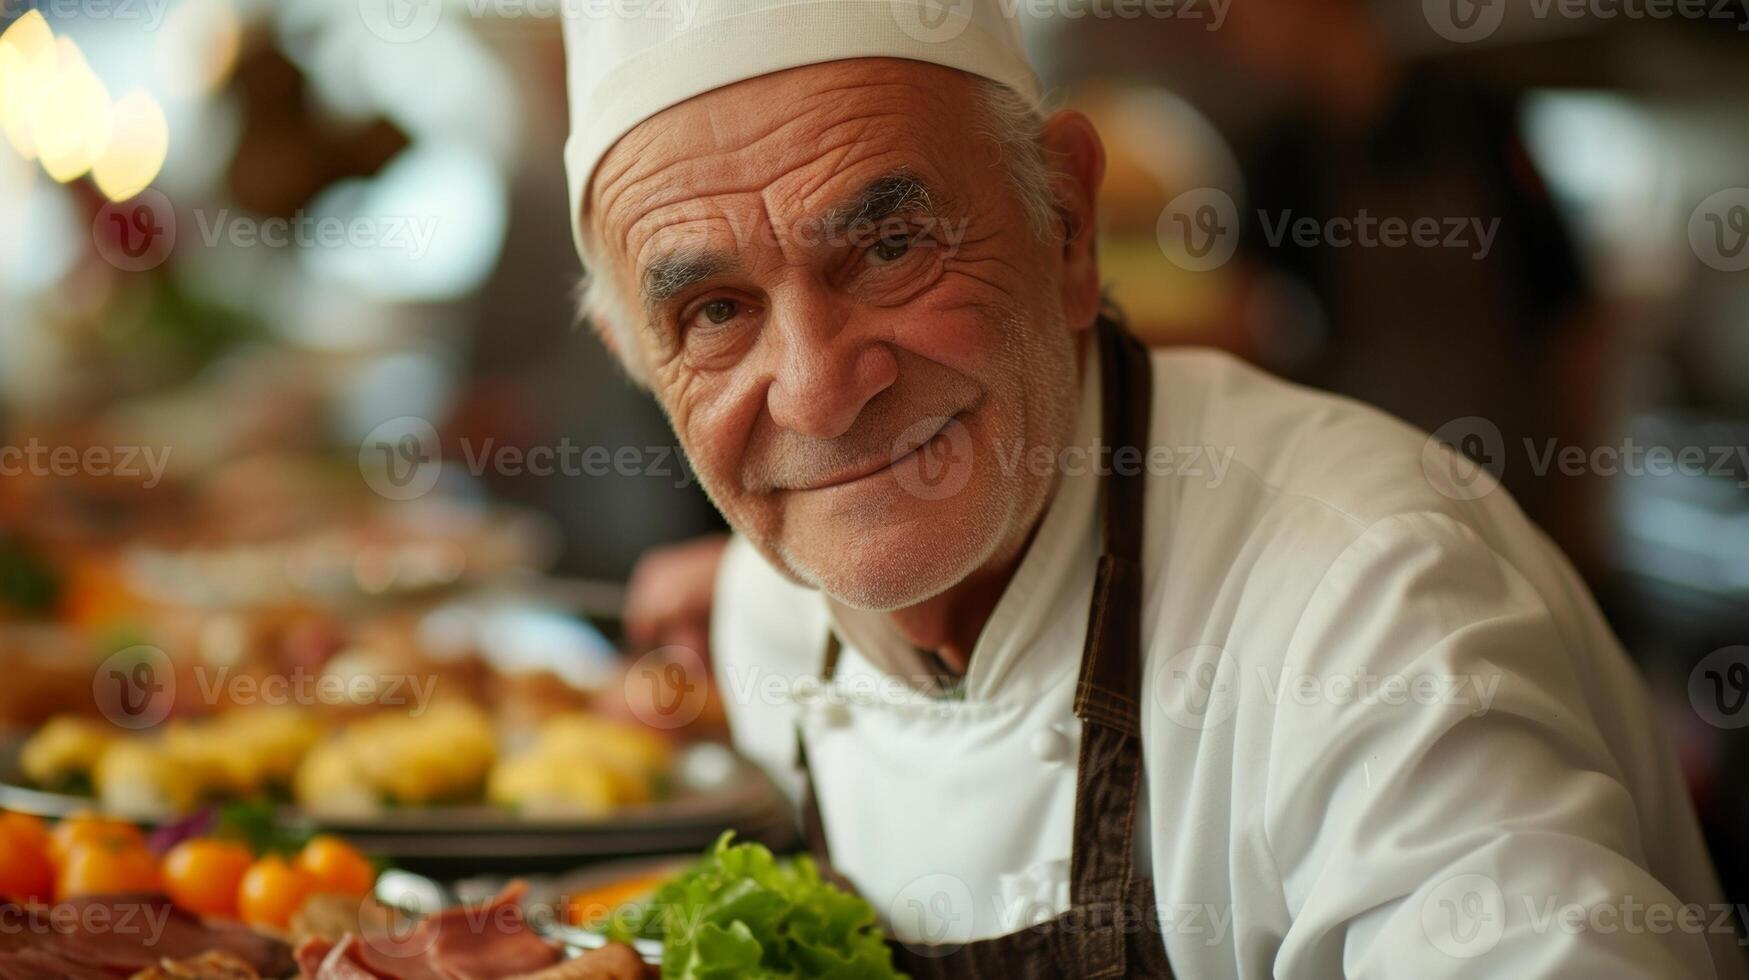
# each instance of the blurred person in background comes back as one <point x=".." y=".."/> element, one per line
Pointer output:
<point x="1501" y="329"/>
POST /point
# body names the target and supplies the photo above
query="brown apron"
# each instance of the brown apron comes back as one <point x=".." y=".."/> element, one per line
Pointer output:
<point x="1112" y="928"/>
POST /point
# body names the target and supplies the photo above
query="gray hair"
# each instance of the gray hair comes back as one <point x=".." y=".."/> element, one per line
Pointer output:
<point x="1006" y="117"/>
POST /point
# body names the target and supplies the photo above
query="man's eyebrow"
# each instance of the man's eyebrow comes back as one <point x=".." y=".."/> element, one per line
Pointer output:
<point x="670" y="275"/>
<point x="887" y="196"/>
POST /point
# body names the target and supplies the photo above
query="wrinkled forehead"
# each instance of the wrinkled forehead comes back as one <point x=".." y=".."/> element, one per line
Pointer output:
<point x="780" y="148"/>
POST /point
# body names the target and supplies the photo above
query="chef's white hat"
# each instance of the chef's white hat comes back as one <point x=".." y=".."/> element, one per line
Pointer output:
<point x="630" y="59"/>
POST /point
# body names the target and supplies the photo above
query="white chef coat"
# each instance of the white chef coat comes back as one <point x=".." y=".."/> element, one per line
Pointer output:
<point x="1386" y="732"/>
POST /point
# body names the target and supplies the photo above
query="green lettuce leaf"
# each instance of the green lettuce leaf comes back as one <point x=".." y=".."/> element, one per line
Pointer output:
<point x="740" y="912"/>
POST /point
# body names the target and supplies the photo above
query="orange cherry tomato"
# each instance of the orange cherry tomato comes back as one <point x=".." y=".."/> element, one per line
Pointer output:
<point x="83" y="829"/>
<point x="203" y="875"/>
<point x="588" y="907"/>
<point x="271" y="891"/>
<point x="26" y="825"/>
<point x="25" y="872"/>
<point x="336" y="866"/>
<point x="108" y="868"/>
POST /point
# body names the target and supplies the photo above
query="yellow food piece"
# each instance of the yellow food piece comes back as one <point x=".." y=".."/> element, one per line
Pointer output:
<point x="545" y="786"/>
<point x="273" y="740"/>
<point x="242" y="752"/>
<point x="203" y="754"/>
<point x="439" y="755"/>
<point x="328" y="782"/>
<point x="581" y="763"/>
<point x="136" y="776"/>
<point x="635" y="755"/>
<point x="64" y="748"/>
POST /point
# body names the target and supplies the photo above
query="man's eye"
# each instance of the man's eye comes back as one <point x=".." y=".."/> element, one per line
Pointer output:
<point x="720" y="311"/>
<point x="890" y="249"/>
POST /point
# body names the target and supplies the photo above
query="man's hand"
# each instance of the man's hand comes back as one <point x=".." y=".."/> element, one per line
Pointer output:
<point x="669" y="600"/>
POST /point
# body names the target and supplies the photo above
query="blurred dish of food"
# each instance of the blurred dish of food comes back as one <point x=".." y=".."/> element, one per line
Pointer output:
<point x="450" y="752"/>
<point x="375" y="551"/>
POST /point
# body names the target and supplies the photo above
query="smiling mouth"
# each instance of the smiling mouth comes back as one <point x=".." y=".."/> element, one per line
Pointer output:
<point x="858" y="472"/>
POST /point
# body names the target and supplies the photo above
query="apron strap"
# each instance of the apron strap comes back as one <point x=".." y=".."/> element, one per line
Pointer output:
<point x="1111" y="658"/>
<point x="1107" y="697"/>
<point x="813" y="824"/>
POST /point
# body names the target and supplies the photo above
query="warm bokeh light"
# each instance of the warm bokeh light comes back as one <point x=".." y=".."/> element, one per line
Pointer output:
<point x="27" y="66"/>
<point x="138" y="141"/>
<point x="55" y="109"/>
<point x="71" y="121"/>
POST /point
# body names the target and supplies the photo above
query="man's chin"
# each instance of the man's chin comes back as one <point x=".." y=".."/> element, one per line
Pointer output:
<point x="886" y="569"/>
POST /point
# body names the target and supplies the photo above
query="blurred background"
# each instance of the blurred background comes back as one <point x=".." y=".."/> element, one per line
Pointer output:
<point x="291" y="380"/>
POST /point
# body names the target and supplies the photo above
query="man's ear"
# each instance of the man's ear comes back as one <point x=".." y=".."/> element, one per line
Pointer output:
<point x="1076" y="158"/>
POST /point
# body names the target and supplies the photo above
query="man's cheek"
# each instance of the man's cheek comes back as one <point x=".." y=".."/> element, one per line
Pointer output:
<point x="714" y="453"/>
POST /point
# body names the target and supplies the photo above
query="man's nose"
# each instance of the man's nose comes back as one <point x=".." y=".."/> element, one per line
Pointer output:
<point x="827" y="371"/>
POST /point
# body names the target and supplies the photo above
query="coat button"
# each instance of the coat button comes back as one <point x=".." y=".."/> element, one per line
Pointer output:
<point x="1050" y="745"/>
<point x="833" y="714"/>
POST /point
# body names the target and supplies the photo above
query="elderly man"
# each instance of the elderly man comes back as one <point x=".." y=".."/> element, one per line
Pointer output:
<point x="1090" y="661"/>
